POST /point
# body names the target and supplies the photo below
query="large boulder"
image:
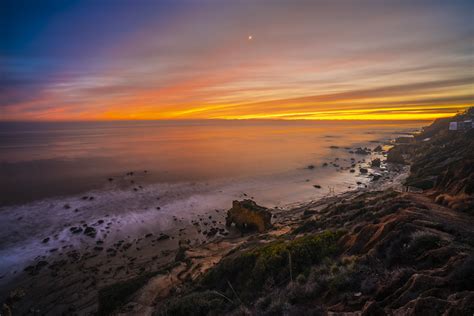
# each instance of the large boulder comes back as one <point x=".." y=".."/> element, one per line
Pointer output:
<point x="247" y="215"/>
<point x="395" y="155"/>
<point x="376" y="163"/>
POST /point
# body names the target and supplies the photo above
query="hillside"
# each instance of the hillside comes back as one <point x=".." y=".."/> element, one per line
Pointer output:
<point x="375" y="253"/>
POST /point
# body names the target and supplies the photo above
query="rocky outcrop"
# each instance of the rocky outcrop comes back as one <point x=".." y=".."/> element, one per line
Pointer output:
<point x="247" y="215"/>
<point x="395" y="155"/>
<point x="381" y="253"/>
<point x="376" y="163"/>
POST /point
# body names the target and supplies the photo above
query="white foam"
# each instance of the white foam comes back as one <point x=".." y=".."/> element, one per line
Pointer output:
<point x="134" y="213"/>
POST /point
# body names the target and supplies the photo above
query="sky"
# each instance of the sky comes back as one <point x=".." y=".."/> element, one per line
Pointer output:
<point x="249" y="59"/>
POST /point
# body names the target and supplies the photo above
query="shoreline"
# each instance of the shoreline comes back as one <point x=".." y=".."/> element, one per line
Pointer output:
<point x="129" y="259"/>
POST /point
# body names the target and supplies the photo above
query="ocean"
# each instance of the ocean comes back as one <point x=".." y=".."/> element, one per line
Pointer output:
<point x="143" y="175"/>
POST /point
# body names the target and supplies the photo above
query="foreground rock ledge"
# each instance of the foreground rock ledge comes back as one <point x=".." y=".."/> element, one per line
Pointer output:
<point x="247" y="215"/>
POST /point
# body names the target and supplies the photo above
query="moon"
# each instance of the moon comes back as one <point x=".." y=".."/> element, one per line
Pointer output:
<point x="250" y="37"/>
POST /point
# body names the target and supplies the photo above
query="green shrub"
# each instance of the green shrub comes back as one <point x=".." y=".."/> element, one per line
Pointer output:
<point x="247" y="272"/>
<point x="422" y="242"/>
<point x="199" y="303"/>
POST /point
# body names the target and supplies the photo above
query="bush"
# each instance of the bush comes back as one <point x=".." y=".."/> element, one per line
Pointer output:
<point x="199" y="303"/>
<point x="247" y="272"/>
<point x="421" y="242"/>
<point x="113" y="296"/>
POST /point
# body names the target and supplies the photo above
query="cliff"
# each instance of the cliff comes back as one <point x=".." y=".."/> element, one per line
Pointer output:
<point x="443" y="163"/>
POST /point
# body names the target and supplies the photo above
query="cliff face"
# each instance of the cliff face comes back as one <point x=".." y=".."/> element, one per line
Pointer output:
<point x="443" y="164"/>
<point x="379" y="253"/>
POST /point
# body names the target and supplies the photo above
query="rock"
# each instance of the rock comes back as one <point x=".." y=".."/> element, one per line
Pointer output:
<point x="163" y="237"/>
<point x="372" y="308"/>
<point x="247" y="214"/>
<point x="45" y="240"/>
<point x="363" y="170"/>
<point x="334" y="147"/>
<point x="376" y="176"/>
<point x="34" y="269"/>
<point x="75" y="230"/>
<point x="376" y="162"/>
<point x="378" y="149"/>
<point x="325" y="164"/>
<point x="362" y="151"/>
<point x="90" y="231"/>
<point x="317" y="186"/>
<point x="213" y="231"/>
<point x="352" y="171"/>
<point x="310" y="167"/>
<point x="394" y="155"/>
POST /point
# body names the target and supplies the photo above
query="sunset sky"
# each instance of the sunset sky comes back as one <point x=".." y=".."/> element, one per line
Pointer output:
<point x="105" y="59"/>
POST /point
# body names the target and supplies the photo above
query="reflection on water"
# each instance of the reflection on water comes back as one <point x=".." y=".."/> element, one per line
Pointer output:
<point x="47" y="159"/>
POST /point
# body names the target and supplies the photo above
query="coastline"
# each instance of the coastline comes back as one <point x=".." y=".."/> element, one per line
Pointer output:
<point x="79" y="275"/>
<point x="151" y="272"/>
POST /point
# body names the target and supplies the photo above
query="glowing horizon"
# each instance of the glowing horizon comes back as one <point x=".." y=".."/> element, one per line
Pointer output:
<point x="213" y="60"/>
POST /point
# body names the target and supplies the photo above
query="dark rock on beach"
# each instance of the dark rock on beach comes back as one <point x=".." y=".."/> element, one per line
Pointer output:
<point x="247" y="215"/>
<point x="163" y="237"/>
<point x="90" y="231"/>
<point x="76" y="230"/>
<point x="376" y="163"/>
<point x="378" y="149"/>
<point x="362" y="151"/>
